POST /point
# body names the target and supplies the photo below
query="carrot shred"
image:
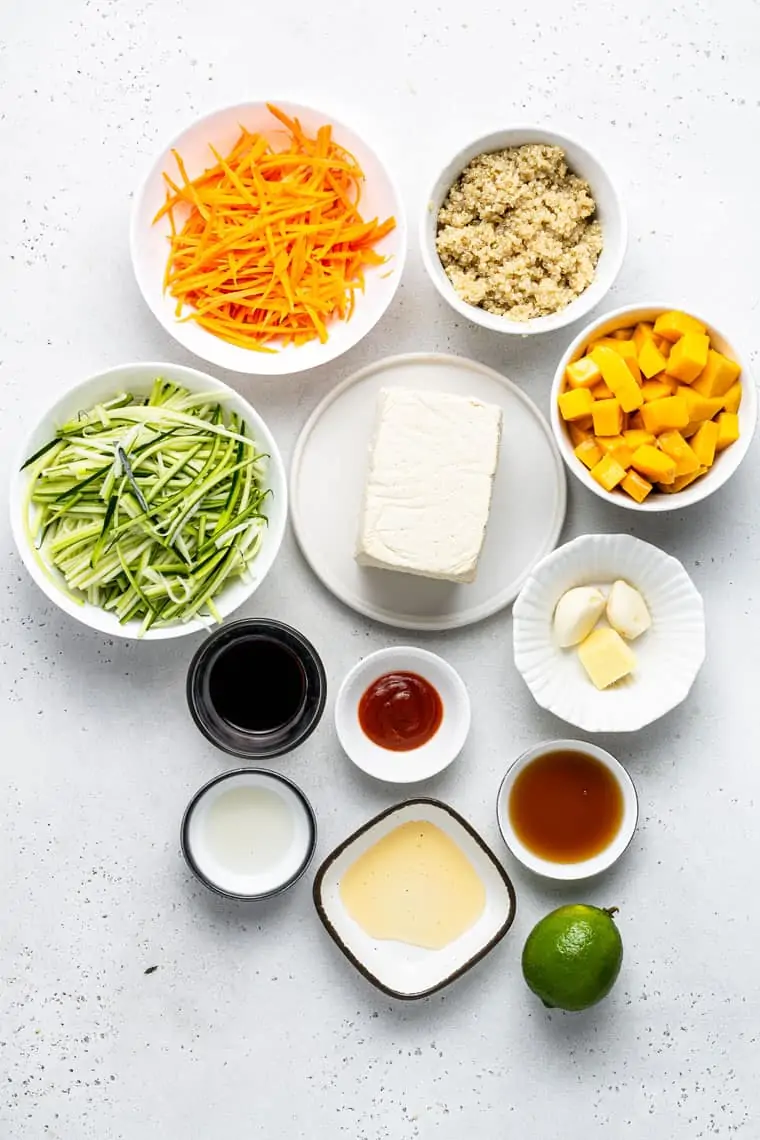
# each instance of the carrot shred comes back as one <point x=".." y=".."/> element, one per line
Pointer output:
<point x="268" y="246"/>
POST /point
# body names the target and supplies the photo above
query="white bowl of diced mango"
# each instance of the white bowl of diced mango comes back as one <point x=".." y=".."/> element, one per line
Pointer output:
<point x="652" y="408"/>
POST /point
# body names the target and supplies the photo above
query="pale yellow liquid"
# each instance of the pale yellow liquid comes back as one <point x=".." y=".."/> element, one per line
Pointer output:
<point x="249" y="830"/>
<point x="414" y="885"/>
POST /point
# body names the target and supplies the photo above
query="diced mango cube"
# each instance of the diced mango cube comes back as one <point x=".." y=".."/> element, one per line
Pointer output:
<point x="627" y="349"/>
<point x="699" y="407"/>
<point x="688" y="357"/>
<point x="635" y="437"/>
<point x="728" y="429"/>
<point x="575" y="404"/>
<point x="623" y="454"/>
<point x="673" y="325"/>
<point x="607" y="416"/>
<point x="636" y="486"/>
<point x="606" y="657"/>
<point x="617" y="375"/>
<point x="622" y="334"/>
<point x="704" y="441"/>
<point x="581" y="430"/>
<point x="682" y="481"/>
<point x="583" y="373"/>
<point x="589" y="452"/>
<point x="616" y="446"/>
<point x="674" y="445"/>
<point x="655" y="464"/>
<point x="633" y="365"/>
<point x="612" y="342"/>
<point x="717" y="376"/>
<point x="601" y="391"/>
<point x="608" y="472"/>
<point x="643" y="332"/>
<point x="611" y="363"/>
<point x="655" y="390"/>
<point x="663" y="415"/>
<point x="629" y="395"/>
<point x="733" y="397"/>
<point x="651" y="360"/>
<point x="608" y="443"/>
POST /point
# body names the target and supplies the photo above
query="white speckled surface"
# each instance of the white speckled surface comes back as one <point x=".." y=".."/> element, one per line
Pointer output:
<point x="253" y="1025"/>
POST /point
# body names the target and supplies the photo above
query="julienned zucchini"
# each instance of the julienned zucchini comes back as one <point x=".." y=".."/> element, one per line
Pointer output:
<point x="149" y="506"/>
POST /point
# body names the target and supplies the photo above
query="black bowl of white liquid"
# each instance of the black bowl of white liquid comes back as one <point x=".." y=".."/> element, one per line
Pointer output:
<point x="256" y="688"/>
<point x="248" y="834"/>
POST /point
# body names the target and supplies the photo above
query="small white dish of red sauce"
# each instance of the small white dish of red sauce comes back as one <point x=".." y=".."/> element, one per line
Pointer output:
<point x="402" y="714"/>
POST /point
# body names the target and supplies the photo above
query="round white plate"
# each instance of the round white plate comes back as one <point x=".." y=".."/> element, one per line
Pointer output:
<point x="327" y="481"/>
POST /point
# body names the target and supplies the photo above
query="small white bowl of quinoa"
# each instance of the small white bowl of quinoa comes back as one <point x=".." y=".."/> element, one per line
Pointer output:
<point x="523" y="231"/>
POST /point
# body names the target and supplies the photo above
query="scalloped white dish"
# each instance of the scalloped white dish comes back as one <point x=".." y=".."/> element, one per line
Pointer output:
<point x="669" y="655"/>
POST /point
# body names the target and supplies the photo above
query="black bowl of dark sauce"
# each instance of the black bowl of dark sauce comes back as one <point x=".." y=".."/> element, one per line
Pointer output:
<point x="256" y="688"/>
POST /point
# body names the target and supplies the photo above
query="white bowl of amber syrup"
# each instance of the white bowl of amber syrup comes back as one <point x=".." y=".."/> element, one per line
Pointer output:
<point x="667" y="656"/>
<point x="567" y="810"/>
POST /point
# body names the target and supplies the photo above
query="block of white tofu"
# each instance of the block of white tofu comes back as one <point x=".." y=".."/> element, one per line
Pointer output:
<point x="432" y="463"/>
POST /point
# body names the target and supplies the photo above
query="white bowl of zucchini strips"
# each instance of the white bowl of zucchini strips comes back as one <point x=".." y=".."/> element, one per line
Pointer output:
<point x="150" y="501"/>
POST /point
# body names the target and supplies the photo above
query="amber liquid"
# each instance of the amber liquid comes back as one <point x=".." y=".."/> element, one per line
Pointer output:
<point x="566" y="807"/>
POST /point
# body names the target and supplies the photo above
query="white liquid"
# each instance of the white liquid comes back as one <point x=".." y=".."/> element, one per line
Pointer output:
<point x="250" y="834"/>
<point x="249" y="830"/>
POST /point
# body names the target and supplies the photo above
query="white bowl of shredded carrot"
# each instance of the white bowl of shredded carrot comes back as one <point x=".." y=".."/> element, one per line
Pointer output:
<point x="268" y="239"/>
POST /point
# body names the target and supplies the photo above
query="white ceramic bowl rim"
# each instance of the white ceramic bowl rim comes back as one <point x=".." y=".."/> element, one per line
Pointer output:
<point x="416" y="764"/>
<point x="237" y="591"/>
<point x="726" y="462"/>
<point x="611" y="210"/>
<point x="569" y="872"/>
<point x="371" y="303"/>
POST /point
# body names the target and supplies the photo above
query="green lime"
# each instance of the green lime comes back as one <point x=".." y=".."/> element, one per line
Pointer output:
<point x="572" y="957"/>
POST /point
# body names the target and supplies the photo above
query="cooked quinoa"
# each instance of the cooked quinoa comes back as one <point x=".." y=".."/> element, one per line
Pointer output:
<point x="516" y="232"/>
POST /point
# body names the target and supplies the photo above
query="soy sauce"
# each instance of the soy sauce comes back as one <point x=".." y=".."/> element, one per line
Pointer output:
<point x="566" y="806"/>
<point x="257" y="684"/>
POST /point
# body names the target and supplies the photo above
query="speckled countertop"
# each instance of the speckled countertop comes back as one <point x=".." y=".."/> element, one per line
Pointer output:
<point x="253" y="1025"/>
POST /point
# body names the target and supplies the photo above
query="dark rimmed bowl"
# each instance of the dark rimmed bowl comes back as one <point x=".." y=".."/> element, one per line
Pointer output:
<point x="256" y="745"/>
<point x="187" y="850"/>
<point x="396" y="969"/>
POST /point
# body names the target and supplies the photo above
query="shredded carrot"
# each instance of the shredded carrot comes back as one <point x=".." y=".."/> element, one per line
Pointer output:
<point x="269" y="245"/>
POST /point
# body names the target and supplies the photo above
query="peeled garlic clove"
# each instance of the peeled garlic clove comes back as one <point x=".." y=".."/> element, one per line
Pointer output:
<point x="576" y="614"/>
<point x="627" y="611"/>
